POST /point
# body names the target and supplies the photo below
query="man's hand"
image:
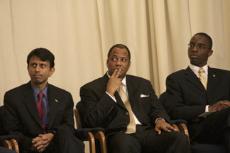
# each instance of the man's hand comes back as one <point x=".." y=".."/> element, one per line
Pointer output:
<point x="40" y="142"/>
<point x="219" y="106"/>
<point x="161" y="124"/>
<point x="114" y="82"/>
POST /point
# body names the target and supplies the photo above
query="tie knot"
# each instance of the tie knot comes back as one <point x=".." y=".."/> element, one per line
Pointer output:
<point x="201" y="71"/>
<point x="40" y="95"/>
<point x="121" y="86"/>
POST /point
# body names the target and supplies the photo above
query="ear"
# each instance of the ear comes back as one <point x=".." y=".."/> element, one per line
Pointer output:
<point x="210" y="53"/>
<point x="52" y="70"/>
<point x="107" y="61"/>
<point x="129" y="63"/>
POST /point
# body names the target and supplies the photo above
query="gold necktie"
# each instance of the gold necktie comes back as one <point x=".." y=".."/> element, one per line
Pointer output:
<point x="203" y="77"/>
<point x="131" y="128"/>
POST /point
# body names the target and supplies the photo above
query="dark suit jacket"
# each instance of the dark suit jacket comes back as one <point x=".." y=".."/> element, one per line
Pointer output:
<point x="98" y="109"/>
<point x="187" y="97"/>
<point x="23" y="116"/>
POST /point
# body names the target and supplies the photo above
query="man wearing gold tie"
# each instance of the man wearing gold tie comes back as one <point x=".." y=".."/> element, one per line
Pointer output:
<point x="201" y="95"/>
<point x="127" y="108"/>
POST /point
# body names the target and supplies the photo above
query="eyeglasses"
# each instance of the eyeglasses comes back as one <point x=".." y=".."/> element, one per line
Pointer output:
<point x="198" y="46"/>
<point x="121" y="59"/>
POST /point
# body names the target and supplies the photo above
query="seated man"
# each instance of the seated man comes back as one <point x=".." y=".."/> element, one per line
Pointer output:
<point x="41" y="114"/>
<point x="127" y="108"/>
<point x="201" y="95"/>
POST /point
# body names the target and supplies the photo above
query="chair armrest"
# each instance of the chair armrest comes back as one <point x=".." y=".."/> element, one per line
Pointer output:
<point x="15" y="145"/>
<point x="181" y="125"/>
<point x="100" y="136"/>
<point x="6" y="144"/>
<point x="90" y="134"/>
<point x="9" y="142"/>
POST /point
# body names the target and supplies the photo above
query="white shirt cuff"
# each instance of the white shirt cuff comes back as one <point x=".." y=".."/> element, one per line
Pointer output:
<point x="114" y="99"/>
<point x="206" y="108"/>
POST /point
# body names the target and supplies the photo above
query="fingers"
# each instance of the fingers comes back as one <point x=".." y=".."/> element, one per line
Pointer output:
<point x="116" y="73"/>
<point x="114" y="82"/>
<point x="157" y="130"/>
<point x="170" y="128"/>
<point x="165" y="127"/>
<point x="175" y="128"/>
<point x="40" y="142"/>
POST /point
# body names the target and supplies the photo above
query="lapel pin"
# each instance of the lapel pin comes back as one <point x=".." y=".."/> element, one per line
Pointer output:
<point x="213" y="75"/>
<point x="56" y="100"/>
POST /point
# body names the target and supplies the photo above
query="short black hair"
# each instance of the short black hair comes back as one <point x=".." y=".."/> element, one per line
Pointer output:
<point x="206" y="36"/>
<point x="121" y="46"/>
<point x="42" y="53"/>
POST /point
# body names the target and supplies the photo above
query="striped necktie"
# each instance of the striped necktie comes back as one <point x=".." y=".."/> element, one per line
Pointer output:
<point x="203" y="77"/>
<point x="40" y="107"/>
<point x="131" y="128"/>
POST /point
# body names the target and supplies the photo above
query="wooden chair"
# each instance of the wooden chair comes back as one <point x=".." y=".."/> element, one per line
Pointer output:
<point x="10" y="144"/>
<point x="98" y="134"/>
<point x="7" y="141"/>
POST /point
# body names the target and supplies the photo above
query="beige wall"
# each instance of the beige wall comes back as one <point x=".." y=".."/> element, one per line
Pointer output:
<point x="80" y="32"/>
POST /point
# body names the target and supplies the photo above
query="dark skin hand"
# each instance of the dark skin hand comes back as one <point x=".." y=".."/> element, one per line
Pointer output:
<point x="114" y="82"/>
<point x="162" y="125"/>
<point x="220" y="105"/>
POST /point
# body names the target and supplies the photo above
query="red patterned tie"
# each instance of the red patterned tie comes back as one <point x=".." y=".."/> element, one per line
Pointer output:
<point x="40" y="106"/>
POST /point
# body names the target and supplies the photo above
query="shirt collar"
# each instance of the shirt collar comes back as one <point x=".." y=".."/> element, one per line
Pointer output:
<point x="195" y="68"/>
<point x="36" y="91"/>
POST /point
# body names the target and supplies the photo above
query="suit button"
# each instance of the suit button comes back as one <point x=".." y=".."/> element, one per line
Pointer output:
<point x="127" y="113"/>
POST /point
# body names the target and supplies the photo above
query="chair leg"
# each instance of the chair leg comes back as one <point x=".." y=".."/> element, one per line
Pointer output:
<point x="7" y="144"/>
<point x="91" y="142"/>
<point x="101" y="137"/>
<point x="15" y="146"/>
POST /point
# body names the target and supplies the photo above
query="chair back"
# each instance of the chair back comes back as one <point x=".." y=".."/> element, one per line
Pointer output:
<point x="77" y="118"/>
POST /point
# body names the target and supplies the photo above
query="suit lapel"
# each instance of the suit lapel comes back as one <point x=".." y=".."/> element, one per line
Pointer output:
<point x="134" y="99"/>
<point x="53" y="104"/>
<point x="30" y="103"/>
<point x="131" y="91"/>
<point x="213" y="80"/>
<point x="191" y="77"/>
<point x="119" y="100"/>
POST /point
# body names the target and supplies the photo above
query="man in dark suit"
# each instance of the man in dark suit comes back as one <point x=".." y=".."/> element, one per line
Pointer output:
<point x="40" y="114"/>
<point x="201" y="99"/>
<point x="134" y="121"/>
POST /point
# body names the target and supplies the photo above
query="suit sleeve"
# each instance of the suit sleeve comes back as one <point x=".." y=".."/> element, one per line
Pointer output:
<point x="68" y="117"/>
<point x="12" y="123"/>
<point x="157" y="110"/>
<point x="178" y="107"/>
<point x="98" y="110"/>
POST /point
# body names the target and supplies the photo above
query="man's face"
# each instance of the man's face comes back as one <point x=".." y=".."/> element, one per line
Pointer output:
<point x="199" y="50"/>
<point x="39" y="71"/>
<point x="118" y="59"/>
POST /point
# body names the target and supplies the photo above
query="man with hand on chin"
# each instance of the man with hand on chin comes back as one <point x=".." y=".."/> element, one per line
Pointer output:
<point x="128" y="109"/>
